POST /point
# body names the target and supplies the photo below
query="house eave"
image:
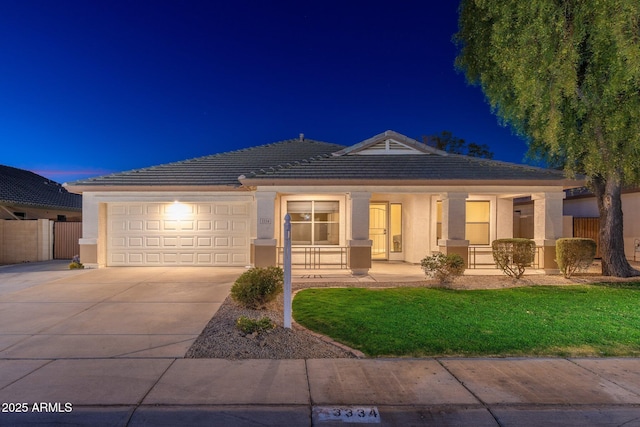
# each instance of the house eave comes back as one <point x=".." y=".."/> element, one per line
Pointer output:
<point x="79" y="189"/>
<point x="266" y="182"/>
<point x="9" y="203"/>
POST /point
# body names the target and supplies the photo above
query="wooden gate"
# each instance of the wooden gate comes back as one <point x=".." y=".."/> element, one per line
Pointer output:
<point x="588" y="228"/>
<point x="65" y="239"/>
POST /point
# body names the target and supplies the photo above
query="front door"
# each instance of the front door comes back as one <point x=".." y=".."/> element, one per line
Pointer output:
<point x="378" y="230"/>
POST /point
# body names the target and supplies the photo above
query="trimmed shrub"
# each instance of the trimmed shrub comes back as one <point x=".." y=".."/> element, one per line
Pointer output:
<point x="258" y="286"/>
<point x="443" y="268"/>
<point x="249" y="326"/>
<point x="75" y="263"/>
<point x="512" y="256"/>
<point x="574" y="254"/>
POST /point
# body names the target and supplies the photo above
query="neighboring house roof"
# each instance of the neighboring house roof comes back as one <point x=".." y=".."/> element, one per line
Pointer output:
<point x="19" y="187"/>
<point x="584" y="192"/>
<point x="388" y="158"/>
<point x="218" y="169"/>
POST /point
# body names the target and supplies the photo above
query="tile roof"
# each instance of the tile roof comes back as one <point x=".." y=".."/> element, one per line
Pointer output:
<point x="420" y="168"/>
<point x="24" y="188"/>
<point x="309" y="162"/>
<point x="219" y="169"/>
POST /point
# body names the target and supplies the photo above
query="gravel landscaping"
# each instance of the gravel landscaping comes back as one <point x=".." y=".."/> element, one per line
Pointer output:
<point x="222" y="339"/>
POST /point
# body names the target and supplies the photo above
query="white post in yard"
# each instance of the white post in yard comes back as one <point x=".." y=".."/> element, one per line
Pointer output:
<point x="287" y="271"/>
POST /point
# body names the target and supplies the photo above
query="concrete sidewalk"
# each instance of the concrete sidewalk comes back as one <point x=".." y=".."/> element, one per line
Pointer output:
<point x="321" y="392"/>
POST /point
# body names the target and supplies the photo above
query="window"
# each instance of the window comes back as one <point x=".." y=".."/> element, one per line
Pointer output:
<point x="477" y="226"/>
<point x="477" y="230"/>
<point x="395" y="227"/>
<point x="314" y="222"/>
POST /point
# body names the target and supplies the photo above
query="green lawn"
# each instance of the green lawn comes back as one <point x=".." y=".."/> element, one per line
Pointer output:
<point x="589" y="320"/>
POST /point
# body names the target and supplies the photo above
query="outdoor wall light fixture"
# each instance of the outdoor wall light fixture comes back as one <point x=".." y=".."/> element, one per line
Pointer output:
<point x="177" y="210"/>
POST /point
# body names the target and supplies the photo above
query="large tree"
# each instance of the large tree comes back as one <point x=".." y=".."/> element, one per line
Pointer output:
<point x="565" y="74"/>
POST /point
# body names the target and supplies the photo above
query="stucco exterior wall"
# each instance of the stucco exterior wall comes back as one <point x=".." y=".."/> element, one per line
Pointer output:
<point x="417" y="227"/>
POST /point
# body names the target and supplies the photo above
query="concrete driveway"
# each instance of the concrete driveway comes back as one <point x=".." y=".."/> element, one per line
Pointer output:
<point x="48" y="311"/>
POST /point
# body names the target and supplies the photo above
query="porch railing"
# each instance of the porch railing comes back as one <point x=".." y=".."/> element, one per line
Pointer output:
<point x="482" y="257"/>
<point x="317" y="257"/>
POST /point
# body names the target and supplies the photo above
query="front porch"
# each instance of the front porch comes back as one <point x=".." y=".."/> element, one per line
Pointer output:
<point x="342" y="229"/>
<point x="387" y="273"/>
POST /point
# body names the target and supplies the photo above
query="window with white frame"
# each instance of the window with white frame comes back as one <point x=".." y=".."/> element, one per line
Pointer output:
<point x="477" y="223"/>
<point x="314" y="222"/>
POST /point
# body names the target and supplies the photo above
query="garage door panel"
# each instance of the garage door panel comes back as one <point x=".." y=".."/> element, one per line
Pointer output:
<point x="178" y="234"/>
<point x="187" y="258"/>
<point x="136" y="225"/>
<point x="119" y="242"/>
<point x="221" y="258"/>
<point x="204" y="258"/>
<point x="170" y="225"/>
<point x="240" y="210"/>
<point x="153" y="258"/>
<point x="119" y="225"/>
<point x="221" y="242"/>
<point x="152" y="242"/>
<point x="135" y="242"/>
<point x="221" y="210"/>
<point x="239" y="226"/>
<point x="204" y="225"/>
<point x="135" y="257"/>
<point x="239" y="242"/>
<point x="169" y="242"/>
<point x="153" y="209"/>
<point x="118" y="209"/>
<point x="118" y="258"/>
<point x="221" y="225"/>
<point x="204" y="242"/>
<point x="136" y="210"/>
<point x="240" y="259"/>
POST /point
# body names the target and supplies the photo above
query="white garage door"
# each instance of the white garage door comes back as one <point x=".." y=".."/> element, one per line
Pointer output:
<point x="160" y="234"/>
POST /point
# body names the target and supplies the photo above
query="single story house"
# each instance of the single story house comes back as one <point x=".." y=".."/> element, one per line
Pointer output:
<point x="389" y="197"/>
<point x="34" y="211"/>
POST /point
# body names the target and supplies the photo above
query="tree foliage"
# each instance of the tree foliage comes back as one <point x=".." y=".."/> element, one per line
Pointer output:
<point x="446" y="141"/>
<point x="565" y="74"/>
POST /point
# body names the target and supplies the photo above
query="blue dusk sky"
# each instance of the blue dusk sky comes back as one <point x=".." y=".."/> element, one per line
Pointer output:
<point x="93" y="87"/>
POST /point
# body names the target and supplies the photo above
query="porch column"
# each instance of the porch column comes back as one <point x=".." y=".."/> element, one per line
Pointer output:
<point x="454" y="219"/>
<point x="264" y="252"/>
<point x="547" y="226"/>
<point x="360" y="244"/>
<point x="504" y="224"/>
